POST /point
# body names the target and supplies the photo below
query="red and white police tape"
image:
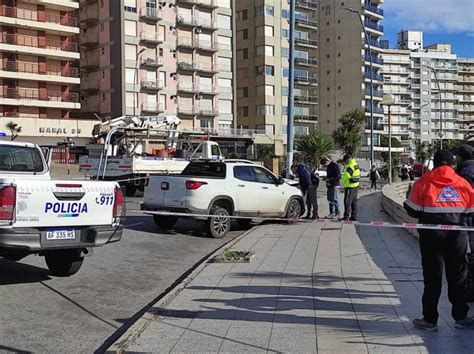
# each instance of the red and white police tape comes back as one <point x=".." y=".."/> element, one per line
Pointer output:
<point x="406" y="225"/>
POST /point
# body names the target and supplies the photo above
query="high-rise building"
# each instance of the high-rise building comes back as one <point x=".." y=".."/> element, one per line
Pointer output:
<point x="38" y="68"/>
<point x="145" y="57"/>
<point x="344" y="62"/>
<point x="410" y="40"/>
<point x="465" y="89"/>
<point x="263" y="67"/>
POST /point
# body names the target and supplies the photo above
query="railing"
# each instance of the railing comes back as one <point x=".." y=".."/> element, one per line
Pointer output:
<point x="307" y="117"/>
<point x="152" y="107"/>
<point x="186" y="19"/>
<point x="300" y="21"/>
<point x="184" y="65"/>
<point x="34" y="94"/>
<point x="206" y="88"/>
<point x="151" y="13"/>
<point x="38" y="16"/>
<point x="207" y="23"/>
<point x="306" y="99"/>
<point x="231" y="131"/>
<point x="209" y="67"/>
<point x="374" y="76"/>
<point x="375" y="59"/>
<point x="154" y="62"/>
<point x="376" y="110"/>
<point x="34" y="68"/>
<point x="306" y="41"/>
<point x="305" y="61"/>
<point x="305" y="80"/>
<point x="208" y="111"/>
<point x="151" y="84"/>
<point x="210" y="3"/>
<point x="374" y="26"/>
<point x="307" y="3"/>
<point x="207" y="45"/>
<point x="374" y="9"/>
<point x="185" y="41"/>
<point x="376" y="93"/>
<point x="188" y="87"/>
<point x="372" y="42"/>
<point x="188" y="110"/>
<point x="38" y="42"/>
<point x="151" y="38"/>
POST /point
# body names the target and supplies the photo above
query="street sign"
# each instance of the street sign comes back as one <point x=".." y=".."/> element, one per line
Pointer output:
<point x="2" y="134"/>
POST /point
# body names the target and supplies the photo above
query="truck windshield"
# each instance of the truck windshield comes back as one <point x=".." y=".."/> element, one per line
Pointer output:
<point x="20" y="159"/>
<point x="205" y="169"/>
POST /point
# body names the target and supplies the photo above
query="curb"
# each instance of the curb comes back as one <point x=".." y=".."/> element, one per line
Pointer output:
<point x="136" y="329"/>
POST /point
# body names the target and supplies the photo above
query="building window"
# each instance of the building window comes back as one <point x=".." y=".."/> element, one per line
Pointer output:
<point x="267" y="31"/>
<point x="243" y="92"/>
<point x="265" y="109"/>
<point x="264" y="10"/>
<point x="243" y="34"/>
<point x="267" y="70"/>
<point x="285" y="33"/>
<point x="265" y="50"/>
<point x="243" y="111"/>
<point x="242" y="15"/>
<point x="243" y="53"/>
<point x="266" y="90"/>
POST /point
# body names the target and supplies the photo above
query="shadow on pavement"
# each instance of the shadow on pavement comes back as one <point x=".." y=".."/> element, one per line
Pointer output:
<point x="19" y="273"/>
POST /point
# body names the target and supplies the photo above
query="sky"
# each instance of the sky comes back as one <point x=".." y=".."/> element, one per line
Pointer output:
<point x="442" y="21"/>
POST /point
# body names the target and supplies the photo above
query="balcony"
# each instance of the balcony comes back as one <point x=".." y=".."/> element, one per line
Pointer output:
<point x="207" y="89"/>
<point x="151" y="62"/>
<point x="150" y="38"/>
<point x="212" y="4"/>
<point x="306" y="23"/>
<point x="306" y="99"/>
<point x="150" y="107"/>
<point x="187" y="111"/>
<point x="23" y="94"/>
<point x="375" y="77"/>
<point x="306" y="62"/>
<point x="209" y="68"/>
<point x="90" y="84"/>
<point x="187" y="87"/>
<point x="151" y="85"/>
<point x="150" y="14"/>
<point x="38" y="42"/>
<point x="376" y="93"/>
<point x="208" y="112"/>
<point x="208" y="46"/>
<point x="374" y="26"/>
<point x="187" y="66"/>
<point x="90" y="41"/>
<point x="186" y="42"/>
<point x="43" y="17"/>
<point x="303" y="80"/>
<point x="306" y="118"/>
<point x="35" y="68"/>
<point x="303" y="42"/>
<point x="377" y="110"/>
<point x="207" y="23"/>
<point x="375" y="59"/>
<point x="307" y="4"/>
<point x="185" y="20"/>
<point x="374" y="9"/>
<point x="91" y="62"/>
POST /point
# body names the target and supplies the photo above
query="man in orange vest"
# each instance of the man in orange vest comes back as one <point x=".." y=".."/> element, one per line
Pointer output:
<point x="442" y="197"/>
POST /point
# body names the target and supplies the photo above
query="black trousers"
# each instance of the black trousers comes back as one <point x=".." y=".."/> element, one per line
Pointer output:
<point x="312" y="201"/>
<point x="446" y="248"/>
<point x="350" y="203"/>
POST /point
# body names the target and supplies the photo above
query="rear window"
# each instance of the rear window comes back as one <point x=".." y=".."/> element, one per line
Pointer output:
<point x="20" y="159"/>
<point x="205" y="169"/>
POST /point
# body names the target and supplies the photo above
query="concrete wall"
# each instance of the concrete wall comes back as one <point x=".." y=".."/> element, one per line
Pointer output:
<point x="393" y="197"/>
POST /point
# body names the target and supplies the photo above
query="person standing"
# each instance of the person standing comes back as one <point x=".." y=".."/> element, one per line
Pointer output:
<point x="350" y="181"/>
<point x="442" y="197"/>
<point x="374" y="177"/>
<point x="309" y="186"/>
<point x="332" y="183"/>
<point x="465" y="168"/>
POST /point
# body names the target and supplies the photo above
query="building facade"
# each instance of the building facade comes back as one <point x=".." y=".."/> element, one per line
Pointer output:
<point x="38" y="69"/>
<point x="145" y="57"/>
<point x="263" y="67"/>
<point x="345" y="72"/>
<point x="465" y="88"/>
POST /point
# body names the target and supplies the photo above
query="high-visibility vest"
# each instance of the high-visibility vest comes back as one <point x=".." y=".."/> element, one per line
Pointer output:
<point x="351" y="176"/>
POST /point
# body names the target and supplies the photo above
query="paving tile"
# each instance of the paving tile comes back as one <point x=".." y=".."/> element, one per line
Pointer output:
<point x="244" y="345"/>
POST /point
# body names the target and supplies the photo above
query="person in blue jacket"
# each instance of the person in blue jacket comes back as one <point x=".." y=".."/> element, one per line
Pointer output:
<point x="309" y="185"/>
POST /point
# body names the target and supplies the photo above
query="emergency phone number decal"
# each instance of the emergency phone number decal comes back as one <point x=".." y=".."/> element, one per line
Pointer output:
<point x="105" y="199"/>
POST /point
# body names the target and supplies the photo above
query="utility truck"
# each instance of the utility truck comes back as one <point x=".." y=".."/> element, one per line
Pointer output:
<point x="123" y="150"/>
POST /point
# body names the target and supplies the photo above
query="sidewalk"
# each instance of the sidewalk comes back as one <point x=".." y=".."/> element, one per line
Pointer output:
<point x="311" y="287"/>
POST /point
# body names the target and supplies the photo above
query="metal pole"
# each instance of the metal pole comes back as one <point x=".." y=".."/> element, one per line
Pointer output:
<point x="291" y="84"/>
<point x="389" y="146"/>
<point x="135" y="79"/>
<point x="440" y="134"/>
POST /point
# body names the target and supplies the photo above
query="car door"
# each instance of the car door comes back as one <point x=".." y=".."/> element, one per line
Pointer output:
<point x="247" y="191"/>
<point x="272" y="195"/>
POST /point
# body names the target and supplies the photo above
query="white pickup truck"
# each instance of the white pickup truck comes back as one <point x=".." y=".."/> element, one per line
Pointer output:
<point x="220" y="189"/>
<point x="58" y="219"/>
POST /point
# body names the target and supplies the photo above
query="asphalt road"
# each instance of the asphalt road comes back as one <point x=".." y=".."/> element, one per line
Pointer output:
<point x="41" y="313"/>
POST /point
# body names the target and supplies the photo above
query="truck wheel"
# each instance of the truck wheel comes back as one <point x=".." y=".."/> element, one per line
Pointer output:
<point x="218" y="225"/>
<point x="63" y="263"/>
<point x="165" y="222"/>
<point x="244" y="222"/>
<point x="130" y="190"/>
<point x="293" y="212"/>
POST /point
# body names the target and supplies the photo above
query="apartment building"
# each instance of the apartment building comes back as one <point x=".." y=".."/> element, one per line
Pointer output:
<point x="345" y="71"/>
<point x="465" y="88"/>
<point x="38" y="69"/>
<point x="262" y="67"/>
<point x="148" y="58"/>
<point x="396" y="72"/>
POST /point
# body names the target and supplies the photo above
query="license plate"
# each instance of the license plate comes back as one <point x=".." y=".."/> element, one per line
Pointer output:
<point x="61" y="235"/>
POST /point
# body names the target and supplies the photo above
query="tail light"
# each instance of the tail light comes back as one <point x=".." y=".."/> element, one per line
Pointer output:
<point x="7" y="204"/>
<point x="118" y="203"/>
<point x="193" y="185"/>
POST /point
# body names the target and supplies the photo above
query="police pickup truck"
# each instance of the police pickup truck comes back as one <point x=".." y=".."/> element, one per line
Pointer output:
<point x="58" y="219"/>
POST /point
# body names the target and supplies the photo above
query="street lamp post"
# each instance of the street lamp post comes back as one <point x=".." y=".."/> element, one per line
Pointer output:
<point x="359" y="15"/>
<point x="389" y="100"/>
<point x="440" y="133"/>
<point x="135" y="79"/>
<point x="291" y="83"/>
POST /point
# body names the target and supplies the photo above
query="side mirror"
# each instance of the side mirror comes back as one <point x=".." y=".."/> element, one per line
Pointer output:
<point x="280" y="181"/>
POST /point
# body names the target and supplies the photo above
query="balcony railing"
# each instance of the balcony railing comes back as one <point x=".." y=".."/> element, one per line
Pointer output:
<point x="375" y="59"/>
<point x="374" y="26"/>
<point x="150" y="13"/>
<point x="196" y="43"/>
<point x="375" y="77"/>
<point x="376" y="93"/>
<point x="306" y="99"/>
<point x="312" y="4"/>
<point x="152" y="38"/>
<point x="187" y="66"/>
<point x="152" y="107"/>
<point x="303" y="22"/>
<point x="206" y="3"/>
<point x="305" y="61"/>
<point x="372" y="42"/>
<point x="38" y="16"/>
<point x="373" y="8"/>
<point x="377" y="110"/>
<point x="306" y="117"/>
<point x="211" y="89"/>
<point x="38" y="42"/>
<point x="34" y="68"/>
<point x="187" y="87"/>
<point x="186" y="110"/>
<point x="152" y="62"/>
<point x="304" y="41"/>
<point x="151" y="85"/>
<point x="209" y="67"/>
<point x="182" y="19"/>
<point x="303" y="80"/>
<point x="207" y="45"/>
<point x="33" y="94"/>
<point x="208" y="111"/>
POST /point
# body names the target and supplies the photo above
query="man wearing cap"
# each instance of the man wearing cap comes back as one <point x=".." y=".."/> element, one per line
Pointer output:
<point x="465" y="168"/>
<point x="442" y="197"/>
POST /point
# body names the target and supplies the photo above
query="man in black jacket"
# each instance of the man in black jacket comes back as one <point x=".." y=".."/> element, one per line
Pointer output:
<point x="332" y="183"/>
<point x="465" y="168"/>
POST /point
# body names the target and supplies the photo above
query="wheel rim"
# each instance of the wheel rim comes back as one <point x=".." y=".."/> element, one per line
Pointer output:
<point x="220" y="223"/>
<point x="295" y="210"/>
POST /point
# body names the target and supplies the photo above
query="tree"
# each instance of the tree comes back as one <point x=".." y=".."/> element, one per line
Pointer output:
<point x="348" y="135"/>
<point x="313" y="147"/>
<point x="424" y="151"/>
<point x="14" y="128"/>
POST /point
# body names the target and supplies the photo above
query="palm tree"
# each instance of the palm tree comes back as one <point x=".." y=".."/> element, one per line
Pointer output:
<point x="14" y="128"/>
<point x="313" y="147"/>
<point x="348" y="135"/>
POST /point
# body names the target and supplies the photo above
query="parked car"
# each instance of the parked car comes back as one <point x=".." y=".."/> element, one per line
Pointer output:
<point x="220" y="189"/>
<point x="320" y="172"/>
<point x="364" y="173"/>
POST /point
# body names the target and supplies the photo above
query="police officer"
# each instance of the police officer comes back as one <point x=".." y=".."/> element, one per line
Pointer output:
<point x="442" y="197"/>
<point x="350" y="182"/>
